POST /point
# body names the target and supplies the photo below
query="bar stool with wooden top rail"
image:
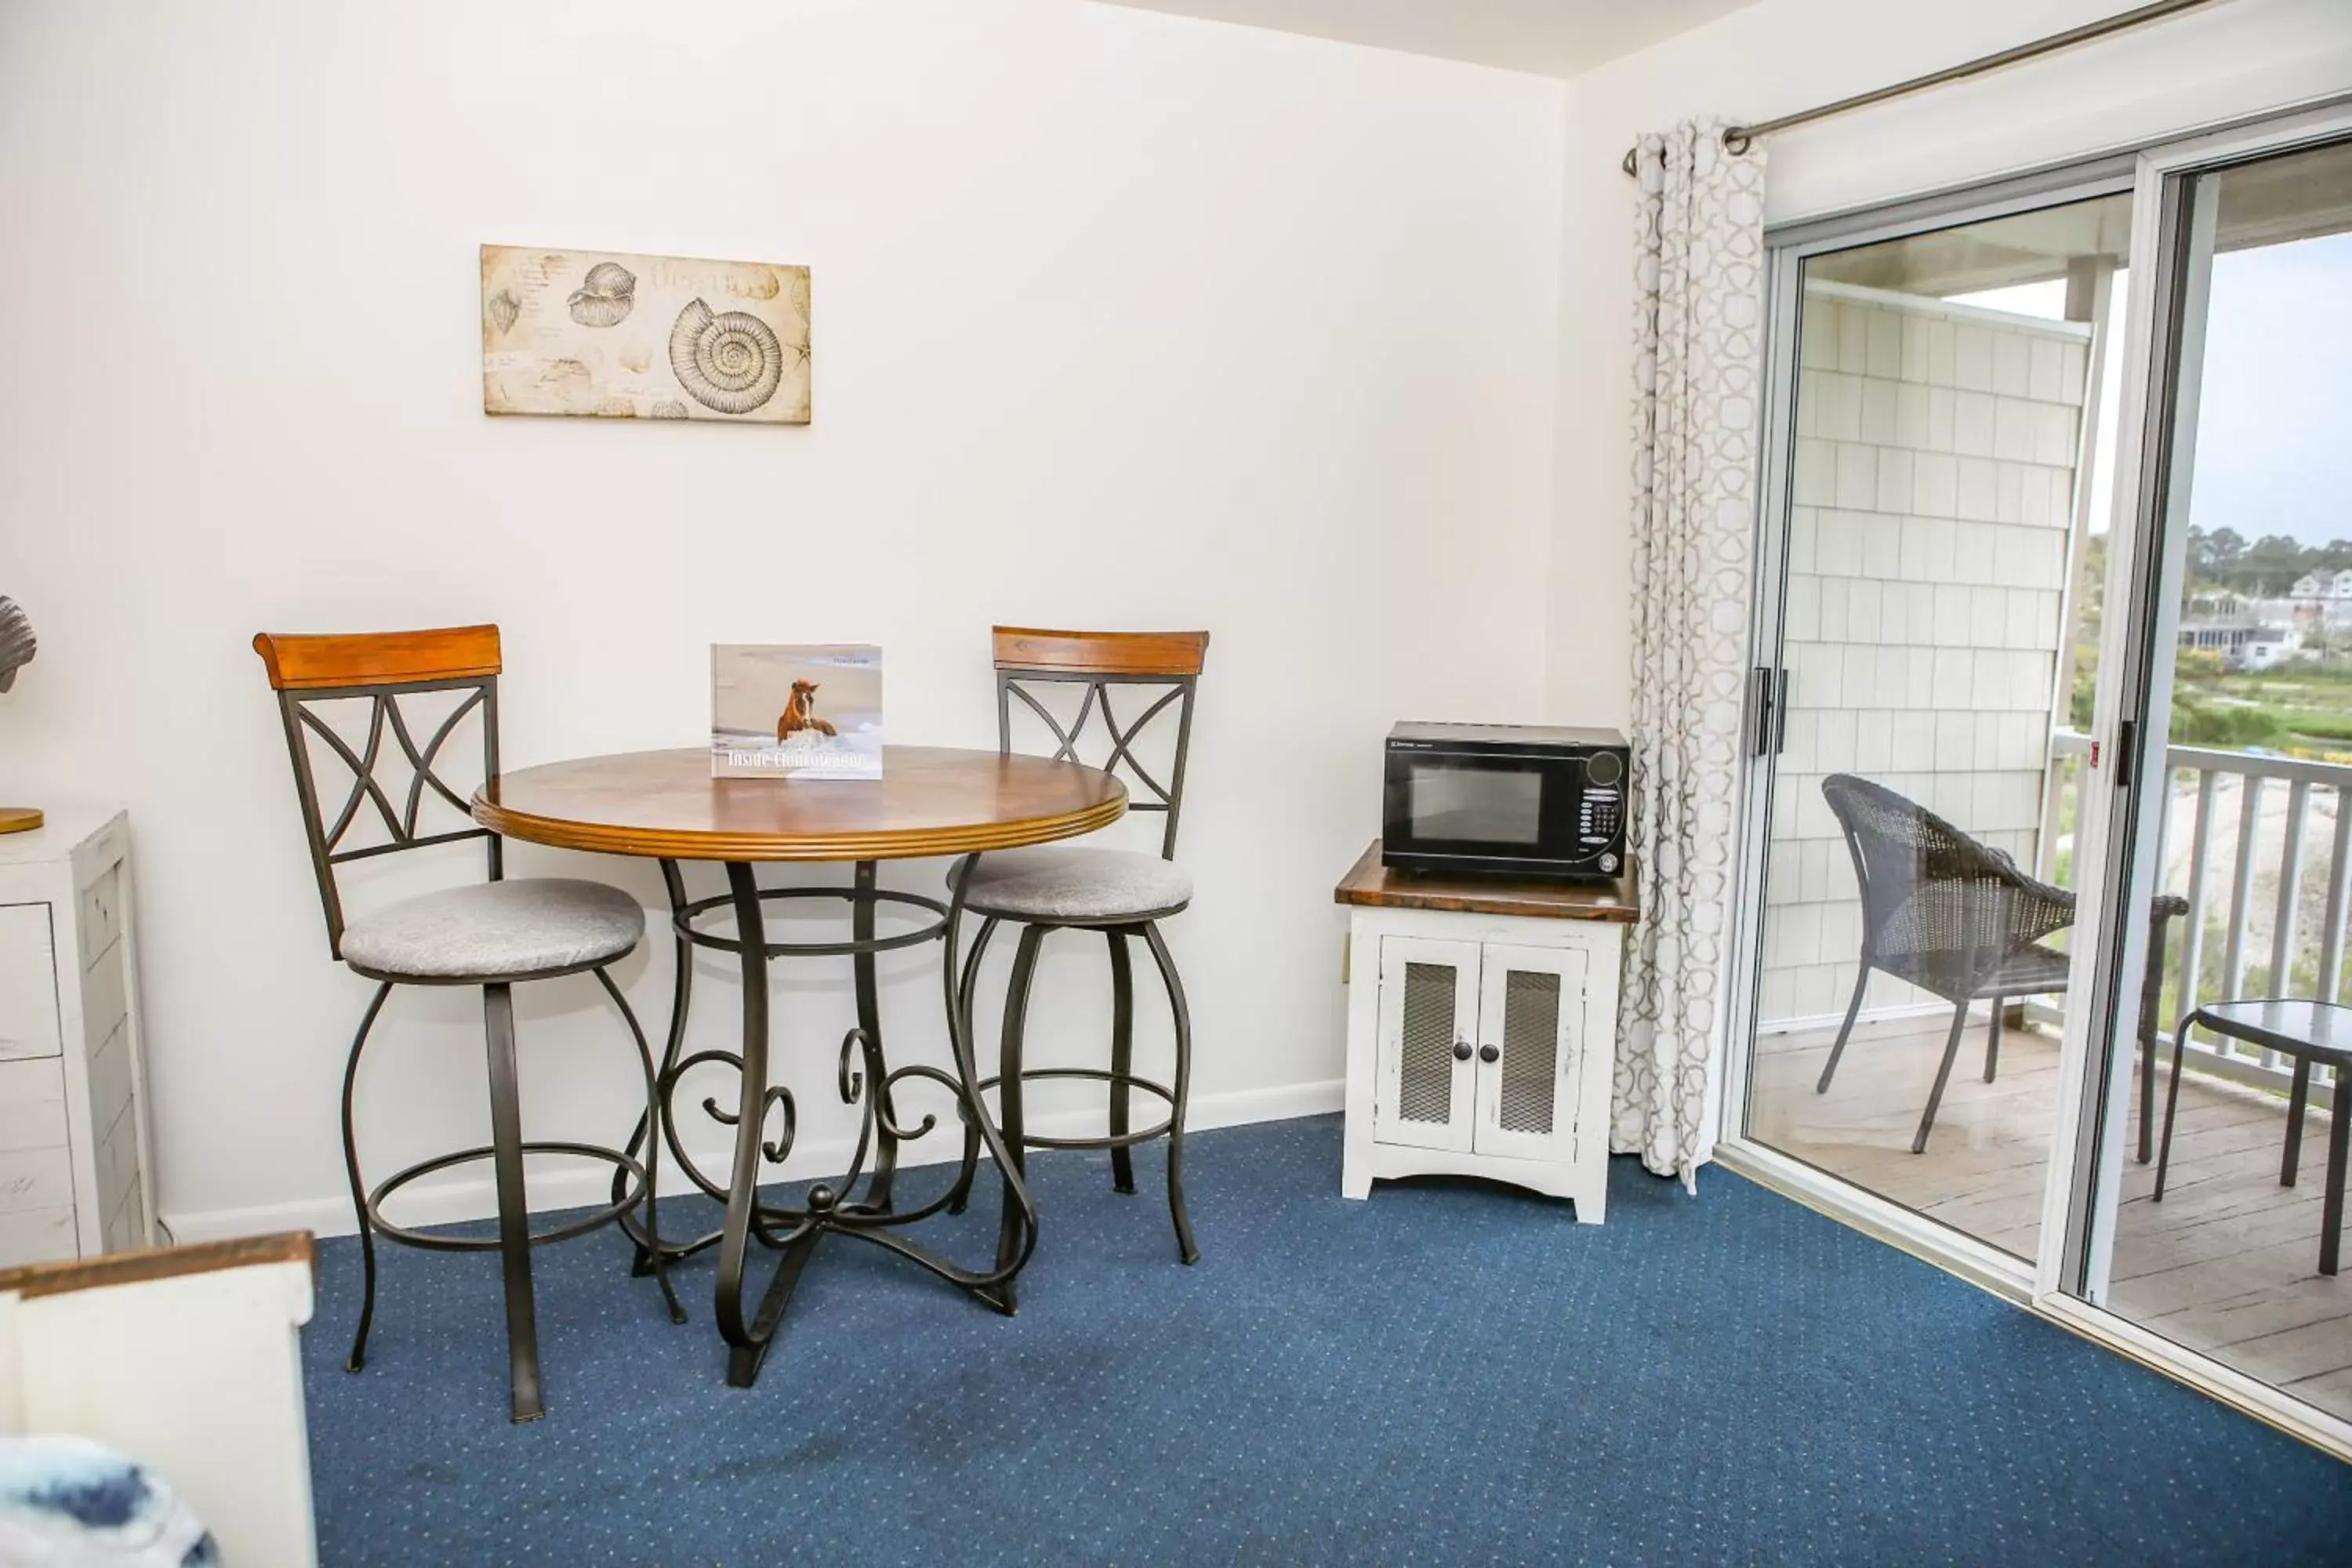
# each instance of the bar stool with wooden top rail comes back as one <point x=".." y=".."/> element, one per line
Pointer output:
<point x="1124" y="894"/>
<point x="493" y="934"/>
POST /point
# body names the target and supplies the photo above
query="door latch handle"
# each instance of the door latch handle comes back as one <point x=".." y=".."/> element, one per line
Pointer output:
<point x="1460" y="1050"/>
<point x="1768" y="710"/>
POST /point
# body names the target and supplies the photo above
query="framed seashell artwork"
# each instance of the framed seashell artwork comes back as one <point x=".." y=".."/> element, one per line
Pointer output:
<point x="644" y="337"/>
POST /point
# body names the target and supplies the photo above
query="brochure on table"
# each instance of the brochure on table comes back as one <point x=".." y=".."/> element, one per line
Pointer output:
<point x="795" y="711"/>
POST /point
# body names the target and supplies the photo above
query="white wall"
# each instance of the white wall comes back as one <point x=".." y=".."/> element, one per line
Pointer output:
<point x="1777" y="56"/>
<point x="1121" y="320"/>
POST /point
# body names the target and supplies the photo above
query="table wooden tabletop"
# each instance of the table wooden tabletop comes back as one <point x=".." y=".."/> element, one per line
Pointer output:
<point x="930" y="801"/>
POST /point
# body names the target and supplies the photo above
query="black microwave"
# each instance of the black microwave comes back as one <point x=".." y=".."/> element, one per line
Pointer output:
<point x="1511" y="800"/>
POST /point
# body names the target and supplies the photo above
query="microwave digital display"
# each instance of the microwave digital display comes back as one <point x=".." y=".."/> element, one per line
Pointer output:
<point x="1478" y="806"/>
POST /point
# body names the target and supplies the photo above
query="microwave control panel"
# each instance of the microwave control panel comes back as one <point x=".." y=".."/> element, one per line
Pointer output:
<point x="1600" y="818"/>
<point x="1598" y="815"/>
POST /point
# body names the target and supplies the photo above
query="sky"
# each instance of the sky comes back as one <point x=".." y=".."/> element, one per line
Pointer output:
<point x="2275" y="419"/>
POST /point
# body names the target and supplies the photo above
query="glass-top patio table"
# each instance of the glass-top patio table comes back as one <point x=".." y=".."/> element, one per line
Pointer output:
<point x="2311" y="1033"/>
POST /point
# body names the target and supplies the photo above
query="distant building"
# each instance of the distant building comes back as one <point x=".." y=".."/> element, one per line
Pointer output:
<point x="2267" y="647"/>
<point x="2323" y="585"/>
<point x="2245" y="639"/>
<point x="2255" y="634"/>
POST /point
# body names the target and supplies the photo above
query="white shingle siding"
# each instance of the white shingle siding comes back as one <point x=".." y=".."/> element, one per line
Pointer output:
<point x="1931" y="500"/>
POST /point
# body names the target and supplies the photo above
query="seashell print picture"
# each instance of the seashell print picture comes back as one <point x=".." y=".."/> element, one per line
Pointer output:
<point x="617" y="336"/>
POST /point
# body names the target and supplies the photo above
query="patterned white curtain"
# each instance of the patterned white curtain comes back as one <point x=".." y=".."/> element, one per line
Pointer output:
<point x="1698" y="330"/>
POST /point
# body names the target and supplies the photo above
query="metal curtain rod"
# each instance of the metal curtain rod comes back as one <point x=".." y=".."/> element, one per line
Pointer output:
<point x="1737" y="138"/>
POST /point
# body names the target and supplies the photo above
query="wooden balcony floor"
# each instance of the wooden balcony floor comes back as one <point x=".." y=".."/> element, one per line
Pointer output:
<point x="2228" y="1264"/>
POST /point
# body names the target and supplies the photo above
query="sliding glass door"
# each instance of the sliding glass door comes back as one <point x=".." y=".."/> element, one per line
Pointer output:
<point x="2052" y="746"/>
<point x="2241" y="840"/>
<point x="1936" y="548"/>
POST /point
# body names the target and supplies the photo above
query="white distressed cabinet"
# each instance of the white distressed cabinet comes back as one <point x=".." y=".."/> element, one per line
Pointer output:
<point x="1482" y="1031"/>
<point x="74" y="1168"/>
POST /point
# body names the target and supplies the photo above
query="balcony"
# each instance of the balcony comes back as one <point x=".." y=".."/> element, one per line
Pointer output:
<point x="2227" y="1264"/>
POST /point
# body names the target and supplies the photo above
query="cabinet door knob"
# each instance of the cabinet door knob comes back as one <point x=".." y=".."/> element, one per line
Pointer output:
<point x="1460" y="1050"/>
<point x="1490" y="1053"/>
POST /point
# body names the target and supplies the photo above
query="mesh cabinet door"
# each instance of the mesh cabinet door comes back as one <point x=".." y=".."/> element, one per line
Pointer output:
<point x="1429" y="1024"/>
<point x="1531" y="1025"/>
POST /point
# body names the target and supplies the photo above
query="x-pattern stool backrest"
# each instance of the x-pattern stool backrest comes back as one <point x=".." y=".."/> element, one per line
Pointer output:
<point x="311" y="672"/>
<point x="365" y="786"/>
<point x="1157" y="669"/>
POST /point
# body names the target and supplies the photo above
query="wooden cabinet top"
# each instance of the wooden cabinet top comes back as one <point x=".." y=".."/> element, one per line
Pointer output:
<point x="1373" y="885"/>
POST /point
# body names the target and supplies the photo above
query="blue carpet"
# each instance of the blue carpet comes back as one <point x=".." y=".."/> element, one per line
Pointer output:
<point x="1449" y="1374"/>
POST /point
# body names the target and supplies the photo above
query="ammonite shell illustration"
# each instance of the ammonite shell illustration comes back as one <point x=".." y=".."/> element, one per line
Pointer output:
<point x="504" y="309"/>
<point x="732" y="363"/>
<point x="605" y="297"/>
<point x="16" y="644"/>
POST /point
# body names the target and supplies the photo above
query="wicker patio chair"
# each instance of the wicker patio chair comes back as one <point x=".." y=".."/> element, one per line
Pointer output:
<point x="1957" y="918"/>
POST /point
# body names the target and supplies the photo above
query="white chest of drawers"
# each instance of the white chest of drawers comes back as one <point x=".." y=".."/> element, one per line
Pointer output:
<point x="76" y="1171"/>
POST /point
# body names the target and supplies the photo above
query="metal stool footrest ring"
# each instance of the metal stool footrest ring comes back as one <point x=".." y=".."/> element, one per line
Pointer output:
<point x="603" y="1216"/>
<point x="684" y="915"/>
<point x="1095" y="1075"/>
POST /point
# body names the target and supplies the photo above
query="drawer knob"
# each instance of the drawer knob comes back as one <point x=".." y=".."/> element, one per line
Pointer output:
<point x="1490" y="1053"/>
<point x="1460" y="1050"/>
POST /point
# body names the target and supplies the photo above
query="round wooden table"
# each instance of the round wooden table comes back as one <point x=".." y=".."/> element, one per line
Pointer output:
<point x="930" y="801"/>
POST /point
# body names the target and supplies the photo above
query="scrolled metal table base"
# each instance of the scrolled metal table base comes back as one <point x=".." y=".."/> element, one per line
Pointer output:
<point x="862" y="1079"/>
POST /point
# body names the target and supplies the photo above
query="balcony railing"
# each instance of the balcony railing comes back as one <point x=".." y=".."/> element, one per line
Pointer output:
<point x="2255" y="925"/>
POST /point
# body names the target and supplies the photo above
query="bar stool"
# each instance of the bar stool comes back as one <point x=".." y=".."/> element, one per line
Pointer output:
<point x="1124" y="894"/>
<point x="492" y="934"/>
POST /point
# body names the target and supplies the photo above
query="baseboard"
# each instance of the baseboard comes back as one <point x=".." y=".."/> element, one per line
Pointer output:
<point x="450" y="1202"/>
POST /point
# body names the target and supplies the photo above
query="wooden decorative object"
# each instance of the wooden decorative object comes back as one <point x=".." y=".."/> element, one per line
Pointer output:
<point x="1482" y="1021"/>
<point x="930" y="801"/>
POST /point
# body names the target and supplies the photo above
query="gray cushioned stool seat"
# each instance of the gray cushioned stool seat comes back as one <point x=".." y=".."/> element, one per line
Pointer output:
<point x="1076" y="886"/>
<point x="491" y="929"/>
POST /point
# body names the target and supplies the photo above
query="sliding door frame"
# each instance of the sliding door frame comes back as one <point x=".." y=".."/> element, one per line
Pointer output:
<point x="2163" y="338"/>
<point x="1787" y="251"/>
<point x="2146" y="561"/>
<point x="2173" y="217"/>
